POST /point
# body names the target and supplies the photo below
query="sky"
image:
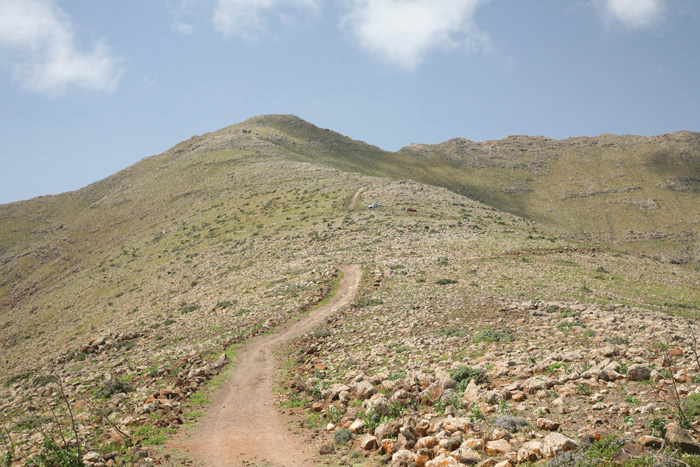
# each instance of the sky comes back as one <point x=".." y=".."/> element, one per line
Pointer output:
<point x="89" y="87"/>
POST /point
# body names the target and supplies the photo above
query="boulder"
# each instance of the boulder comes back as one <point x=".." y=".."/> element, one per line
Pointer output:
<point x="679" y="438"/>
<point x="638" y="372"/>
<point x="498" y="447"/>
<point x="530" y="452"/>
<point x="556" y="443"/>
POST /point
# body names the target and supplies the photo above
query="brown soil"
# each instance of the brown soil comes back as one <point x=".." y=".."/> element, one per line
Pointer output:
<point x="242" y="426"/>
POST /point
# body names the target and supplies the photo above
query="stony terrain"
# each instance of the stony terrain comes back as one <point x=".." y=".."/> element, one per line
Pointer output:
<point x="125" y="302"/>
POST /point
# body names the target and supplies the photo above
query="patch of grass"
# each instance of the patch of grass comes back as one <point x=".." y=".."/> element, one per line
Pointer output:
<point x="198" y="399"/>
<point x="112" y="387"/>
<point x="189" y="308"/>
<point x="17" y="378"/>
<point x="565" y="326"/>
<point x="224" y="305"/>
<point x="452" y="332"/>
<point x="567" y="314"/>
<point x="492" y="335"/>
<point x="466" y="374"/>
<point x="321" y="333"/>
<point x="445" y="281"/>
<point x="369" y="302"/>
<point x="551" y="369"/>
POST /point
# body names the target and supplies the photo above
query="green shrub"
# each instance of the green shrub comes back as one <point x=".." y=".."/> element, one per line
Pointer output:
<point x="567" y="314"/>
<point x="112" y="387"/>
<point x="42" y="380"/>
<point x="692" y="406"/>
<point x="321" y="333"/>
<point x="492" y="335"/>
<point x="618" y="340"/>
<point x="565" y="326"/>
<point x="31" y="422"/>
<point x="342" y="436"/>
<point x="452" y="332"/>
<point x="225" y="304"/>
<point x="467" y="373"/>
<point x="370" y="302"/>
<point x="445" y="281"/>
<point x="658" y="427"/>
<point x="54" y="456"/>
<point x="189" y="308"/>
<point x="17" y="378"/>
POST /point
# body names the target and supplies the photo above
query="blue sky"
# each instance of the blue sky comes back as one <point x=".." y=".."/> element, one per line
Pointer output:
<point x="90" y="87"/>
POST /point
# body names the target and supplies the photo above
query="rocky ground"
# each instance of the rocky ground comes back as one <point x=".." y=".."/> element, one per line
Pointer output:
<point x="557" y="335"/>
<point x="495" y="383"/>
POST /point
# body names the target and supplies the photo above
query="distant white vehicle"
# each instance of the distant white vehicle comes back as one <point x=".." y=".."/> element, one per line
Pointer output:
<point x="374" y="205"/>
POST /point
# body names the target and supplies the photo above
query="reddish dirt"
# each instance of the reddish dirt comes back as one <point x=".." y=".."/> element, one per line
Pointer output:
<point x="243" y="427"/>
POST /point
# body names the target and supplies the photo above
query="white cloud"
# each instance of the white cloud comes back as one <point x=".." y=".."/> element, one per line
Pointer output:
<point x="403" y="32"/>
<point x="249" y="18"/>
<point x="37" y="40"/>
<point x="634" y="14"/>
<point x="182" y="27"/>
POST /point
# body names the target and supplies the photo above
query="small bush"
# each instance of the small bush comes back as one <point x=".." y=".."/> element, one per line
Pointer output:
<point x="467" y="373"/>
<point x="658" y="427"/>
<point x="370" y="302"/>
<point x="445" y="281"/>
<point x="452" y="332"/>
<point x="692" y="406"/>
<point x="565" y="326"/>
<point x="492" y="335"/>
<point x="342" y="436"/>
<point x="17" y="378"/>
<point x="225" y="304"/>
<point x="567" y="314"/>
<point x="321" y="333"/>
<point x="42" y="380"/>
<point x="618" y="341"/>
<point x="112" y="387"/>
<point x="189" y="308"/>
<point x="31" y="422"/>
<point x="52" y="455"/>
<point x="510" y="423"/>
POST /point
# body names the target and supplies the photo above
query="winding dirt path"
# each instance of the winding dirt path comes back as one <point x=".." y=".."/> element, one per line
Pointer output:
<point x="242" y="427"/>
<point x="351" y="204"/>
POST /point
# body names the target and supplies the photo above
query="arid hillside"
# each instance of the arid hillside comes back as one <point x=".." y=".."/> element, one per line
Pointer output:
<point x="570" y="260"/>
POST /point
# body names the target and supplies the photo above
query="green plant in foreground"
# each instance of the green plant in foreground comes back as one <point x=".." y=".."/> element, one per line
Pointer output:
<point x="54" y="456"/>
<point x="657" y="427"/>
<point x="342" y="436"/>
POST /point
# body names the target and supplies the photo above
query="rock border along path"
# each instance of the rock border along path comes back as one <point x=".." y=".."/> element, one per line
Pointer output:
<point x="242" y="426"/>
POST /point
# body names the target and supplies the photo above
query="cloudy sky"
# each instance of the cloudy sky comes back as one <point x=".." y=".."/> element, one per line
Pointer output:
<point x="88" y="88"/>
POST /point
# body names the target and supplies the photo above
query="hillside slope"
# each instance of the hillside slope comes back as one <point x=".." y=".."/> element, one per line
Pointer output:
<point x="147" y="276"/>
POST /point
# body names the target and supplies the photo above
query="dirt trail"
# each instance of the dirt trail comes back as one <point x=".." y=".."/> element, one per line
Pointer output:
<point x="351" y="204"/>
<point x="242" y="426"/>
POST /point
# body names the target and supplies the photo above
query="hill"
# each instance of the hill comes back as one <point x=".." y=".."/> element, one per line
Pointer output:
<point x="136" y="284"/>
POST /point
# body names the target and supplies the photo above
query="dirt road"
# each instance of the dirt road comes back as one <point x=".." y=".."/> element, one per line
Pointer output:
<point x="351" y="204"/>
<point x="242" y="426"/>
